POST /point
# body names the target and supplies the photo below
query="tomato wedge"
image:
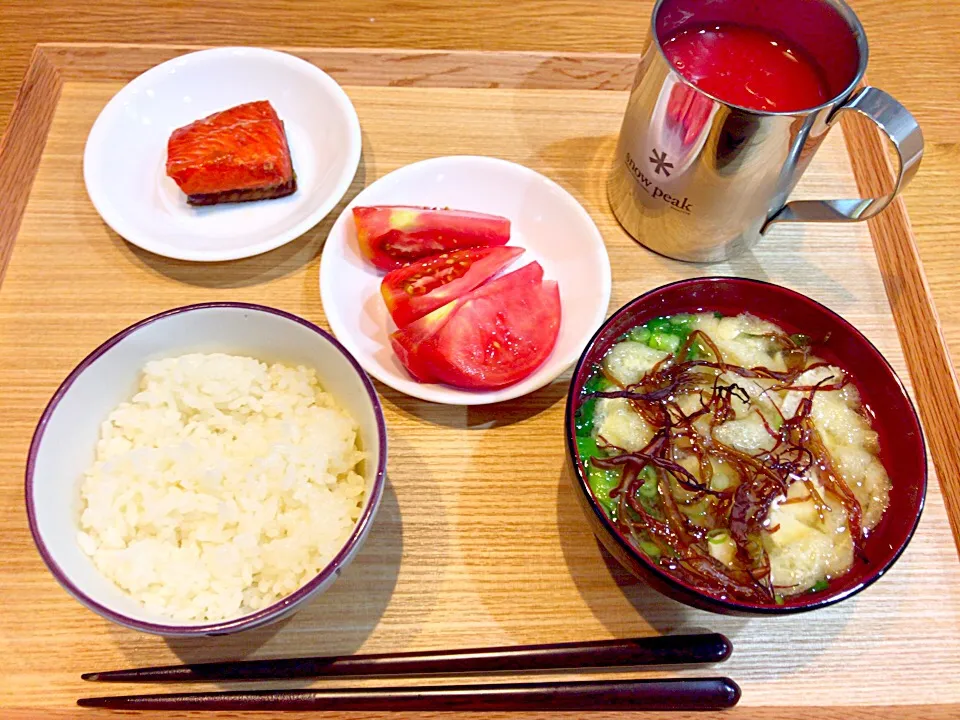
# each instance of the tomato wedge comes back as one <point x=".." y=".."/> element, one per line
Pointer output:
<point x="491" y="337"/>
<point x="391" y="236"/>
<point x="408" y="341"/>
<point x="416" y="289"/>
<point x="412" y="341"/>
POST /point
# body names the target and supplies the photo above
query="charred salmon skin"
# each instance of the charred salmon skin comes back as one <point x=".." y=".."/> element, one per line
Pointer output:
<point x="235" y="155"/>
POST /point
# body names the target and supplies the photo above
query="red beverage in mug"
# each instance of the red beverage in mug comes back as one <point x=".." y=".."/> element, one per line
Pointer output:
<point x="732" y="99"/>
<point x="748" y="66"/>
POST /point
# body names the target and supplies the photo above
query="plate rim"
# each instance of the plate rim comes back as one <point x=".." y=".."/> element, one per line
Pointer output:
<point x="443" y="394"/>
<point x="116" y="220"/>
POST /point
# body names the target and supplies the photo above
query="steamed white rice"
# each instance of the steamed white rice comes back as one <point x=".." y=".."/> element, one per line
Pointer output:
<point x="224" y="485"/>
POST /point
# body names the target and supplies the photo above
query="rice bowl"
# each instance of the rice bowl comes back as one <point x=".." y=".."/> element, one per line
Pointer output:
<point x="223" y="485"/>
<point x="65" y="447"/>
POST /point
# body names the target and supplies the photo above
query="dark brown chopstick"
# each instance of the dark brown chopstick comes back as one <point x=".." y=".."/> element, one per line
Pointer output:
<point x="699" y="694"/>
<point x="662" y="650"/>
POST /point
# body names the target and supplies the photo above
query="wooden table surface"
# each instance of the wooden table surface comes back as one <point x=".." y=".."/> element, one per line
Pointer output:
<point x="911" y="48"/>
<point x="911" y="58"/>
<point x="446" y="557"/>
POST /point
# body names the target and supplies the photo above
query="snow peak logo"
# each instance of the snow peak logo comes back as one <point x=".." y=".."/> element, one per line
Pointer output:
<point x="653" y="190"/>
<point x="660" y="164"/>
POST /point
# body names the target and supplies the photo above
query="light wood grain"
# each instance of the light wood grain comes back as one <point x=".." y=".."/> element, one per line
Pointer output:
<point x="22" y="144"/>
<point x="389" y="67"/>
<point x="918" y="323"/>
<point x="926" y="349"/>
<point x="451" y="561"/>
<point x="910" y="43"/>
<point x="909" y="39"/>
<point x="911" y="56"/>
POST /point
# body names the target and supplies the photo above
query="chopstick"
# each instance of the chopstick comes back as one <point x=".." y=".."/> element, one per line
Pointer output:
<point x="694" y="694"/>
<point x="662" y="650"/>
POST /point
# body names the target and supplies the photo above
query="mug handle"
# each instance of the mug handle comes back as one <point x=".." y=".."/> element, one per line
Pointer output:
<point x="902" y="129"/>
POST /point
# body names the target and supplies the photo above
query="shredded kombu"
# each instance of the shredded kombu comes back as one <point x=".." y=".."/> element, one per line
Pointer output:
<point x="740" y="509"/>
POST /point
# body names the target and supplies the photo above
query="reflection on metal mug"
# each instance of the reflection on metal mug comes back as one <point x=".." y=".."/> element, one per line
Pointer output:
<point x="699" y="179"/>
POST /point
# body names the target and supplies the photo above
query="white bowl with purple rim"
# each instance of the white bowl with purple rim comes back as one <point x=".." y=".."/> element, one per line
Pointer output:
<point x="64" y="443"/>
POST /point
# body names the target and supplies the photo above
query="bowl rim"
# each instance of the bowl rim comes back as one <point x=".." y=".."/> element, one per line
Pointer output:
<point x="249" y="620"/>
<point x="271" y="239"/>
<point x="673" y="583"/>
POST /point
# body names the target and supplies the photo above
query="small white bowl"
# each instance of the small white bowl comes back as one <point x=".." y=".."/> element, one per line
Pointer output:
<point x="545" y="220"/>
<point x="126" y="152"/>
<point x="65" y="440"/>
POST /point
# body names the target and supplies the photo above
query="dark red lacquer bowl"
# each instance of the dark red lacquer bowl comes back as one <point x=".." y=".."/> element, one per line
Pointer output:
<point x="901" y="440"/>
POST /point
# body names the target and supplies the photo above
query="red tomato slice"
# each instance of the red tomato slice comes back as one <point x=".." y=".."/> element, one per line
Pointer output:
<point x="416" y="289"/>
<point x="408" y="341"/>
<point x="392" y="235"/>
<point x="492" y="337"/>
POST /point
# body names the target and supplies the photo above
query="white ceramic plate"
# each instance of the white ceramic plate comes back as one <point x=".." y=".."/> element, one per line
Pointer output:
<point x="545" y="220"/>
<point x="124" y="160"/>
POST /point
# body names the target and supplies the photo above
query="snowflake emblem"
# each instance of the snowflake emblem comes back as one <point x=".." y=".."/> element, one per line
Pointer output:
<point x="660" y="163"/>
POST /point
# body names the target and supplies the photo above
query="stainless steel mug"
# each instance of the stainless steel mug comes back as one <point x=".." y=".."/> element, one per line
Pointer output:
<point x="699" y="179"/>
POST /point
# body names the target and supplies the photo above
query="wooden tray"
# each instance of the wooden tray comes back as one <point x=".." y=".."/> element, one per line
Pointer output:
<point x="479" y="540"/>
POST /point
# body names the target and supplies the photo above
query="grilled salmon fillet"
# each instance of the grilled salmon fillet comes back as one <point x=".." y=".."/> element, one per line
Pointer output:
<point x="234" y="155"/>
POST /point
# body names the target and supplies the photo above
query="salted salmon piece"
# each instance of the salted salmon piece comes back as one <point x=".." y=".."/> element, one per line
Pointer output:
<point x="234" y="155"/>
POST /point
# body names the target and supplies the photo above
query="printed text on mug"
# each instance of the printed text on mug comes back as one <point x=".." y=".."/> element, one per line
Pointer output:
<point x="655" y="191"/>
